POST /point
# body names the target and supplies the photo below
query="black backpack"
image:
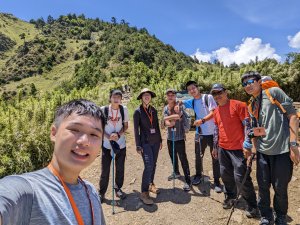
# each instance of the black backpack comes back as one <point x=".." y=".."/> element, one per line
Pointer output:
<point x="205" y="101"/>
<point x="106" y="109"/>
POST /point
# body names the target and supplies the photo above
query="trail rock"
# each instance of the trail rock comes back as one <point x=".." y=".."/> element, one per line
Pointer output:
<point x="132" y="181"/>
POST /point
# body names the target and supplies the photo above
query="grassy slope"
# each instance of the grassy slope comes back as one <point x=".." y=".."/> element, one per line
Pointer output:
<point x="50" y="79"/>
<point x="13" y="28"/>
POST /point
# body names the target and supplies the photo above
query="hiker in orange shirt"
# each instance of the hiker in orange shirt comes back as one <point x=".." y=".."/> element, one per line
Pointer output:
<point x="231" y="119"/>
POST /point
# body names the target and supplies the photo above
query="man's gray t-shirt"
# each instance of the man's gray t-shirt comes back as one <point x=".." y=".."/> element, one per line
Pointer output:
<point x="39" y="198"/>
<point x="275" y="122"/>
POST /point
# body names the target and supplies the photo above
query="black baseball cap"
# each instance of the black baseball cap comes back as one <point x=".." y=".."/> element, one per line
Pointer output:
<point x="217" y="87"/>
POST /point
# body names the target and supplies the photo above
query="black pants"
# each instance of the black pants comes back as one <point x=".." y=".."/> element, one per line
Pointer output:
<point x="150" y="155"/>
<point x="275" y="170"/>
<point x="233" y="169"/>
<point x="179" y="147"/>
<point x="206" y="140"/>
<point x="105" y="169"/>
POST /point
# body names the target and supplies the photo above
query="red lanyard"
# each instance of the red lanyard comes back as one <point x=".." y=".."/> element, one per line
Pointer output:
<point x="70" y="197"/>
<point x="114" y="120"/>
<point x="150" y="116"/>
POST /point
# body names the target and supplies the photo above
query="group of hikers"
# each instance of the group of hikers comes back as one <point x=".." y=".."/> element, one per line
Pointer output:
<point x="235" y="133"/>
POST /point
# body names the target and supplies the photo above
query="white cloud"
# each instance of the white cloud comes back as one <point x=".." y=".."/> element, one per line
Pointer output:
<point x="294" y="41"/>
<point x="202" y="56"/>
<point x="249" y="49"/>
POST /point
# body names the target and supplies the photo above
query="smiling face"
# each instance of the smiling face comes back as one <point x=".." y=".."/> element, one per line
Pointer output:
<point x="252" y="86"/>
<point x="193" y="90"/>
<point x="220" y="97"/>
<point x="116" y="99"/>
<point x="77" y="141"/>
<point x="146" y="98"/>
<point x="171" y="97"/>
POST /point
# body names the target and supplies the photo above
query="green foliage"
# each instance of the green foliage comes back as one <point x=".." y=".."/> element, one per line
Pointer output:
<point x="25" y="128"/>
<point x="90" y="57"/>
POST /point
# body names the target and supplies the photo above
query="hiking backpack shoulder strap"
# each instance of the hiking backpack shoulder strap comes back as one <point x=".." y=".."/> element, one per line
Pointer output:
<point x="274" y="100"/>
<point x="193" y="105"/>
<point x="122" y="115"/>
<point x="106" y="109"/>
<point x="206" y="100"/>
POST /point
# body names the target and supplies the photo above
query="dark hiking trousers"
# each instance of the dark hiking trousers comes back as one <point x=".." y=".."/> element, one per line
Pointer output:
<point x="275" y="170"/>
<point x="105" y="169"/>
<point x="233" y="169"/>
<point x="206" y="141"/>
<point x="150" y="154"/>
<point x="179" y="147"/>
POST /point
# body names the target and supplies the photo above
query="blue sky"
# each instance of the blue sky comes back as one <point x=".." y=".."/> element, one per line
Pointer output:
<point x="230" y="30"/>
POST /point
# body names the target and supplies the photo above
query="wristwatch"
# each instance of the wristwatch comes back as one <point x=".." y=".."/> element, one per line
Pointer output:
<point x="294" y="144"/>
<point x="203" y="120"/>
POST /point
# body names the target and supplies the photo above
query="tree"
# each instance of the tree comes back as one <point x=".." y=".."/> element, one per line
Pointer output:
<point x="22" y="36"/>
<point x="33" y="89"/>
<point x="114" y="20"/>
<point x="40" y="23"/>
<point x="50" y="19"/>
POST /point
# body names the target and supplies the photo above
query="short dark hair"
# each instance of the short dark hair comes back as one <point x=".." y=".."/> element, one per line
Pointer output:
<point x="190" y="82"/>
<point x="81" y="107"/>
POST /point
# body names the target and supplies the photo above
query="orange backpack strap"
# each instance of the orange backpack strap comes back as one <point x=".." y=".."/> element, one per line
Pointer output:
<point x="274" y="101"/>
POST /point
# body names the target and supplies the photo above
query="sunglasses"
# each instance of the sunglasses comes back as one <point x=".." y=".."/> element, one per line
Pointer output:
<point x="251" y="81"/>
<point x="217" y="93"/>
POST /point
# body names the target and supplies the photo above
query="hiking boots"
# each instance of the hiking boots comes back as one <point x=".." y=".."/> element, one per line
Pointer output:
<point x="251" y="212"/>
<point x="153" y="189"/>
<point x="186" y="187"/>
<point x="146" y="198"/>
<point x="171" y="177"/>
<point x="228" y="203"/>
<point x="266" y="221"/>
<point x="280" y="220"/>
<point x="217" y="187"/>
<point x="102" y="197"/>
<point x="120" y="194"/>
<point x="197" y="180"/>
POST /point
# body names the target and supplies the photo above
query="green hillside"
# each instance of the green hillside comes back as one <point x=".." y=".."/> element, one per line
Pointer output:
<point x="49" y="61"/>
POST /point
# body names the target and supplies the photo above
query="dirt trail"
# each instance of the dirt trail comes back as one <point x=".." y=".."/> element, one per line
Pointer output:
<point x="180" y="207"/>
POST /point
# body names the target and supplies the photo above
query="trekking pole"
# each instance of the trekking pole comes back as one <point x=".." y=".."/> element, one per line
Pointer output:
<point x="241" y="187"/>
<point x="173" y="143"/>
<point x="201" y="156"/>
<point x="113" y="182"/>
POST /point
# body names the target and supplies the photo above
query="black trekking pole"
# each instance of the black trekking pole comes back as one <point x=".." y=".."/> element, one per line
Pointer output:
<point x="241" y="187"/>
<point x="113" y="183"/>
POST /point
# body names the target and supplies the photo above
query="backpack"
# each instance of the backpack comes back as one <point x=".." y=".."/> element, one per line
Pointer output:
<point x="106" y="109"/>
<point x="267" y="83"/>
<point x="205" y="101"/>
